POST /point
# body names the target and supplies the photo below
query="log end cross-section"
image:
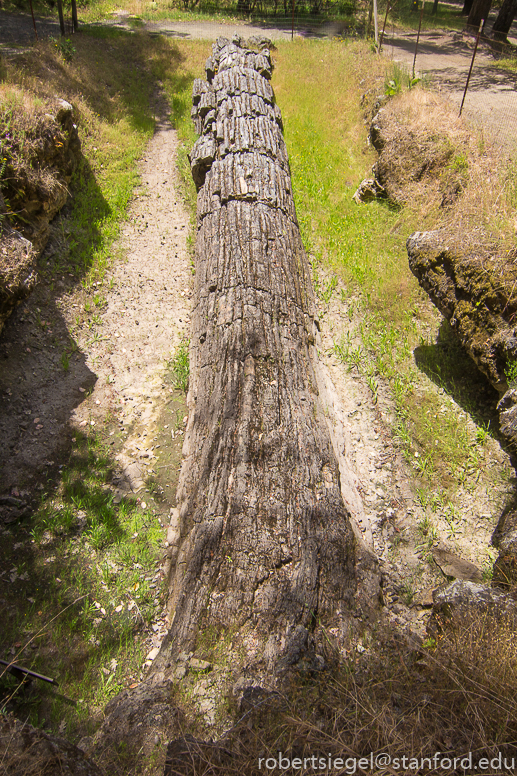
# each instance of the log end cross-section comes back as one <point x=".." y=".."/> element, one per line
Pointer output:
<point x="265" y="545"/>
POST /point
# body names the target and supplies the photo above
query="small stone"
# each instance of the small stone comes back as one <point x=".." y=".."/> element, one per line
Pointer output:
<point x="153" y="653"/>
<point x="180" y="672"/>
<point x="200" y="665"/>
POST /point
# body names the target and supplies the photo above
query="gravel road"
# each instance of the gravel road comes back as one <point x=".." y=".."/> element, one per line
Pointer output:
<point x="491" y="100"/>
<point x="444" y="57"/>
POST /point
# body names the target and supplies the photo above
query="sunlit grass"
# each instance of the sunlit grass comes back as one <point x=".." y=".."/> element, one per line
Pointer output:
<point x="319" y="86"/>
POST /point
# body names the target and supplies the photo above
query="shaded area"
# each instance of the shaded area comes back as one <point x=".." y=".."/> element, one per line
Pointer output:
<point x="19" y="29"/>
<point x="450" y="367"/>
<point x="60" y="508"/>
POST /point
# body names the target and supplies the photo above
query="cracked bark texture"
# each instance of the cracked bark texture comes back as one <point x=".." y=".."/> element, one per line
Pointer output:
<point x="264" y="545"/>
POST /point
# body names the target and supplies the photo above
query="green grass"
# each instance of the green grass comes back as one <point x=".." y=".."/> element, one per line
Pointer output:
<point x="179" y="367"/>
<point x="507" y="63"/>
<point x="364" y="248"/>
<point x="86" y="585"/>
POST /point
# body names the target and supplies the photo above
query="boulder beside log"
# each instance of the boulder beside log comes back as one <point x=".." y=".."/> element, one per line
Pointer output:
<point x="477" y="296"/>
<point x="462" y="602"/>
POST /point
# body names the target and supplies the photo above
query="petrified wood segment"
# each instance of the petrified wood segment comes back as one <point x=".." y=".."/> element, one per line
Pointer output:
<point x="264" y="542"/>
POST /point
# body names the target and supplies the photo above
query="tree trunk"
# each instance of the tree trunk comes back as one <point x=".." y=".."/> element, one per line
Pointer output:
<point x="479" y="11"/>
<point x="61" y="17"/>
<point x="264" y="543"/>
<point x="467" y="5"/>
<point x="75" y="21"/>
<point x="504" y="21"/>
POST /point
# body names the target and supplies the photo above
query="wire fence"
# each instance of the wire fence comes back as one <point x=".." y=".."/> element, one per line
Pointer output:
<point x="451" y="60"/>
<point x="428" y="41"/>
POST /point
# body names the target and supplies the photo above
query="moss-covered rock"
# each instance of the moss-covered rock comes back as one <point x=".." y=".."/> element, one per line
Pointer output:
<point x="418" y="157"/>
<point x="477" y="295"/>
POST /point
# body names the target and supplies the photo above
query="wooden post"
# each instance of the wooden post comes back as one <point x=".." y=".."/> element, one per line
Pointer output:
<point x="33" y="20"/>
<point x="418" y="36"/>
<point x="388" y="6"/>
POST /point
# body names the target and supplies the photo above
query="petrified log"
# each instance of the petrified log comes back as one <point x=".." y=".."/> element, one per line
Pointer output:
<point x="264" y="543"/>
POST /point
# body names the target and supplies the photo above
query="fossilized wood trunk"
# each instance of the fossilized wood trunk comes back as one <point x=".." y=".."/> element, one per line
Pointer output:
<point x="264" y="545"/>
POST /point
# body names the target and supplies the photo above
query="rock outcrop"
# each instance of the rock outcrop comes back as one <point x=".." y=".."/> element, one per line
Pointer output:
<point x="477" y="295"/>
<point x="138" y="723"/>
<point x="40" y="159"/>
<point x="463" y="601"/>
<point x="413" y="154"/>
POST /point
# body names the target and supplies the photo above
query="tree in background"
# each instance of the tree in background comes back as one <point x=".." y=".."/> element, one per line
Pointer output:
<point x="479" y="11"/>
<point x="61" y="17"/>
<point x="504" y="21"/>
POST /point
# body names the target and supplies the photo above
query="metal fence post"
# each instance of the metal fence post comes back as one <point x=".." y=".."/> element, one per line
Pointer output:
<point x="472" y="64"/>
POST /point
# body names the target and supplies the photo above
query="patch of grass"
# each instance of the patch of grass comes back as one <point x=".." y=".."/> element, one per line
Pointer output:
<point x="84" y="589"/>
<point x="507" y="62"/>
<point x="179" y="367"/>
<point x="398" y="78"/>
<point x="510" y="373"/>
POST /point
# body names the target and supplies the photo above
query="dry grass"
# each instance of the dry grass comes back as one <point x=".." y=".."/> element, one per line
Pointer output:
<point x="473" y="192"/>
<point x="455" y="697"/>
<point x="26" y="125"/>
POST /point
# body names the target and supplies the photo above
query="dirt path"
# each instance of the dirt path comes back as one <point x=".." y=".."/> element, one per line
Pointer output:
<point x="115" y="378"/>
<point x="147" y="311"/>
